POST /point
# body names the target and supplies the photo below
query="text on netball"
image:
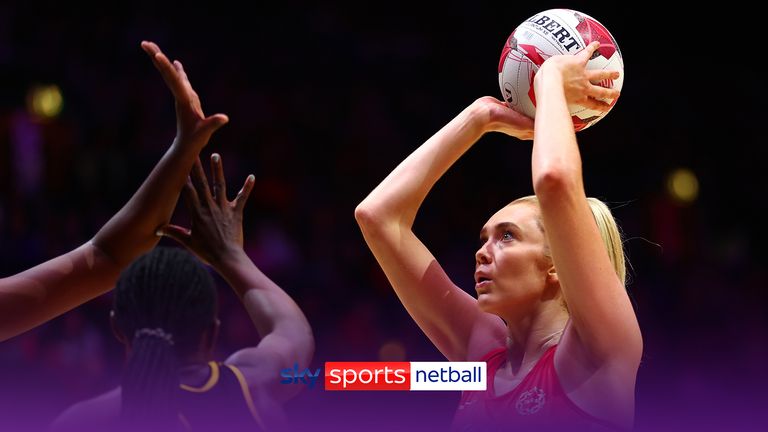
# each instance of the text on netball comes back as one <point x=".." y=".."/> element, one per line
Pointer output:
<point x="558" y="31"/>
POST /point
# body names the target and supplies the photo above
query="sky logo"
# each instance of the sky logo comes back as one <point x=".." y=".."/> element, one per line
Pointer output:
<point x="293" y="376"/>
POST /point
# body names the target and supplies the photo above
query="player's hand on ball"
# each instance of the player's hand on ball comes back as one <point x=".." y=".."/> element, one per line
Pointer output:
<point x="587" y="88"/>
<point x="501" y="118"/>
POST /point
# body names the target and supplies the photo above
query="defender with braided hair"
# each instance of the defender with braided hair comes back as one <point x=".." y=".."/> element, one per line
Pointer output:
<point x="165" y="314"/>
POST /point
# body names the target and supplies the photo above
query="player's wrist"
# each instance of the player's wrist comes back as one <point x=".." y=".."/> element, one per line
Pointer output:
<point x="549" y="76"/>
<point x="230" y="259"/>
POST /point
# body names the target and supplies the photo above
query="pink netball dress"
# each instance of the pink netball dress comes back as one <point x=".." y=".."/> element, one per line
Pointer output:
<point x="537" y="403"/>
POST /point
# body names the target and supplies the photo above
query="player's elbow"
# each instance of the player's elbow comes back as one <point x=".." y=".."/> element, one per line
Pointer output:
<point x="306" y="346"/>
<point x="555" y="179"/>
<point x="301" y="342"/>
<point x="368" y="217"/>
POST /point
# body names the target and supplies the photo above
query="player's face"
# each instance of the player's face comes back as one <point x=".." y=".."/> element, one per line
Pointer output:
<point x="511" y="265"/>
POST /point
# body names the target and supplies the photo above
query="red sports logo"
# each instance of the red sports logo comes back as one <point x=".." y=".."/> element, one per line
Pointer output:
<point x="405" y="376"/>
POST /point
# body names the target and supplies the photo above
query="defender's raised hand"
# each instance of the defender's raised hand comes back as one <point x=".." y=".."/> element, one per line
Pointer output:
<point x="49" y="289"/>
<point x="191" y="122"/>
<point x="217" y="223"/>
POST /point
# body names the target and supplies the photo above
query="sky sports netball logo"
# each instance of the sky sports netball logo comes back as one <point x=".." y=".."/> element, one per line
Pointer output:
<point x="404" y="376"/>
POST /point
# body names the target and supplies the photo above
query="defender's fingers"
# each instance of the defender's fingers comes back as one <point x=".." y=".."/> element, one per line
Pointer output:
<point x="191" y="200"/>
<point x="167" y="70"/>
<point x="180" y="69"/>
<point x="219" y="182"/>
<point x="200" y="182"/>
<point x="245" y="192"/>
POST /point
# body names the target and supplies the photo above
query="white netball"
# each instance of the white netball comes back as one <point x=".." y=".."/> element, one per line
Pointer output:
<point x="553" y="32"/>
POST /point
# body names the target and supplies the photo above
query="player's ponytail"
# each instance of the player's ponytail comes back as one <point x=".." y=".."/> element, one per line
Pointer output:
<point x="163" y="304"/>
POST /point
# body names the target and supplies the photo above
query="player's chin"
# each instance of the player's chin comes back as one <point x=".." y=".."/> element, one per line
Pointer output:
<point x="486" y="303"/>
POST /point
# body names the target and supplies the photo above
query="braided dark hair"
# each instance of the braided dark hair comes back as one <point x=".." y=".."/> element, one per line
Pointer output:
<point x="164" y="302"/>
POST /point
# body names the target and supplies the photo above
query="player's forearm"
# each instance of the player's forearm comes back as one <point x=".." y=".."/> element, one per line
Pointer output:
<point x="269" y="307"/>
<point x="556" y="159"/>
<point x="131" y="231"/>
<point x="398" y="197"/>
<point x="54" y="287"/>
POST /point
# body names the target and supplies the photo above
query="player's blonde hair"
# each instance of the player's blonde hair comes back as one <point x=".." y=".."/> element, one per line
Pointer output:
<point x="606" y="224"/>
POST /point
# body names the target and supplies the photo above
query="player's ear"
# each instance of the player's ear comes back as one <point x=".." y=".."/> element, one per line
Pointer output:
<point x="552" y="275"/>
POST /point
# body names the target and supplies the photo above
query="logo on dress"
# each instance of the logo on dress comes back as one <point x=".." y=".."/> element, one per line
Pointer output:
<point x="531" y="401"/>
